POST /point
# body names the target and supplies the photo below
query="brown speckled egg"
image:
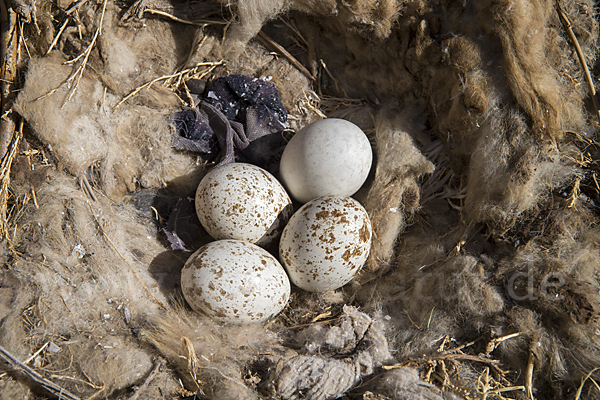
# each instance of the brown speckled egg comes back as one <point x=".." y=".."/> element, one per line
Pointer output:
<point x="235" y="281"/>
<point x="325" y="243"/>
<point x="244" y="202"/>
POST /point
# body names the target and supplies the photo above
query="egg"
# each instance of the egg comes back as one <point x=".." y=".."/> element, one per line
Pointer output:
<point x="325" y="243"/>
<point x="243" y="202"/>
<point x="235" y="281"/>
<point x="330" y="157"/>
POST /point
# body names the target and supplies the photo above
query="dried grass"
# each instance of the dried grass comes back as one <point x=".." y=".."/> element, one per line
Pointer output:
<point x="175" y="81"/>
<point x="490" y="210"/>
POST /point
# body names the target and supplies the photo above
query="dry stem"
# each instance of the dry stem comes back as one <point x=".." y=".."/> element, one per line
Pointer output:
<point x="30" y="358"/>
<point x="76" y="75"/>
<point x="314" y="103"/>
<point x="529" y="374"/>
<point x="9" y="53"/>
<point x="321" y="316"/>
<point x="168" y="78"/>
<point x="149" y="379"/>
<point x="188" y="352"/>
<point x="58" y="35"/>
<point x="200" y="22"/>
<point x="487" y="386"/>
<point x="267" y="41"/>
<point x="75" y="7"/>
<point x="491" y="346"/>
<point x="434" y="358"/>
<point x="70" y="378"/>
<point x="84" y="183"/>
<point x="333" y="78"/>
<point x="436" y="365"/>
<point x="583" y="380"/>
<point x="588" y="77"/>
<point x="5" y="167"/>
<point x="38" y="379"/>
<point x="86" y="54"/>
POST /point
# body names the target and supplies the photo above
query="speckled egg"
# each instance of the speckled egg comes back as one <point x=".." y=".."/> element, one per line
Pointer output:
<point x="244" y="202"/>
<point x="235" y="281"/>
<point x="330" y="157"/>
<point x="325" y="243"/>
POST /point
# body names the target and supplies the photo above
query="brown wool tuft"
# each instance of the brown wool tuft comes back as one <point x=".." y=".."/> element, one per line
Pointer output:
<point x="395" y="191"/>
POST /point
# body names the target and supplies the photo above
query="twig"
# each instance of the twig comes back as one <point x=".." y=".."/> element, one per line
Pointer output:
<point x="57" y="37"/>
<point x="321" y="316"/>
<point x="78" y="73"/>
<point x="291" y="26"/>
<point x="22" y="40"/>
<point x="483" y="380"/>
<point x="267" y="41"/>
<point x="314" y="102"/>
<point x="470" y="357"/>
<point x="507" y="389"/>
<point x="75" y="7"/>
<point x="84" y="183"/>
<point x="34" y="197"/>
<point x="491" y="346"/>
<point x="529" y="373"/>
<point x="47" y="385"/>
<point x="32" y="357"/>
<point x="446" y="381"/>
<point x="8" y="75"/>
<point x="497" y="392"/>
<point x="588" y="77"/>
<point x="212" y="65"/>
<point x="37" y="353"/>
<point x="442" y="345"/>
<point x="5" y="167"/>
<point x="70" y="378"/>
<point x="149" y="379"/>
<point x="583" y="380"/>
<point x="451" y="356"/>
<point x="200" y="22"/>
<point x="459" y="348"/>
<point x="335" y="81"/>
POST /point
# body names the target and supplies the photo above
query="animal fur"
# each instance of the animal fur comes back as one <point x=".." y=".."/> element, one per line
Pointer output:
<point x="507" y="244"/>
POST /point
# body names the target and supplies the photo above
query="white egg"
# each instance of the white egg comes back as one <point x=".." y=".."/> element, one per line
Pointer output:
<point x="235" y="281"/>
<point x="244" y="202"/>
<point x="330" y="157"/>
<point x="325" y="243"/>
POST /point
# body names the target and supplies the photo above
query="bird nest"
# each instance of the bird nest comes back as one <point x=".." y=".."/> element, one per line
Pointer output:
<point x="482" y="280"/>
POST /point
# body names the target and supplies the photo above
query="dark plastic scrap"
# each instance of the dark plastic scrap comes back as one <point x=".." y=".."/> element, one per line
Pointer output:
<point x="237" y="118"/>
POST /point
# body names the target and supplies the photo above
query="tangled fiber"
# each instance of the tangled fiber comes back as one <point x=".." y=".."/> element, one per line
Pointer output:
<point x="482" y="280"/>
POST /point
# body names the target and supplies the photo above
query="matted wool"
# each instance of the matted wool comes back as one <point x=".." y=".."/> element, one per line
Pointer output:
<point x="483" y="273"/>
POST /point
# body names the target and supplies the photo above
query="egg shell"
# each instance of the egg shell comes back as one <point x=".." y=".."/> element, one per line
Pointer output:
<point x="243" y="202"/>
<point x="330" y="157"/>
<point x="235" y="281"/>
<point x="325" y="243"/>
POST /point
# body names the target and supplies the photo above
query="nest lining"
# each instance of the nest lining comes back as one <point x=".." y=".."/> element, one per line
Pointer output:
<point x="483" y="274"/>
